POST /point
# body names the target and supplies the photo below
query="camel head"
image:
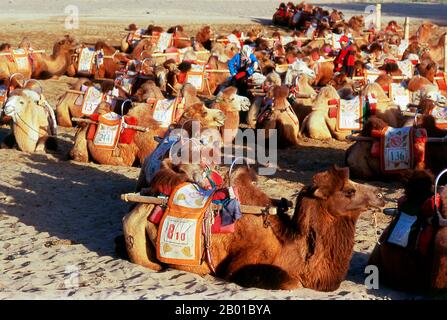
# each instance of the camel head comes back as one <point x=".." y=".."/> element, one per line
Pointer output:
<point x="431" y="92"/>
<point x="19" y="100"/>
<point x="208" y="118"/>
<point x="326" y="96"/>
<point x="229" y="95"/>
<point x="376" y="90"/>
<point x="67" y="45"/>
<point x="425" y="30"/>
<point x="298" y="68"/>
<point x="149" y="90"/>
<point x="342" y="196"/>
<point x="171" y="175"/>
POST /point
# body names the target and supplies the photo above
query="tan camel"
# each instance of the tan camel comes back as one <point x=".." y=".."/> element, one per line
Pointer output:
<point x="143" y="143"/>
<point x="31" y="119"/>
<point x="421" y="265"/>
<point x="57" y="63"/>
<point x="317" y="124"/>
<point x="279" y="115"/>
<point x="230" y="103"/>
<point x="284" y="253"/>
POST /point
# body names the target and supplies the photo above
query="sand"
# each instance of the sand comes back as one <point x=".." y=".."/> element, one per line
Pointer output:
<point x="58" y="218"/>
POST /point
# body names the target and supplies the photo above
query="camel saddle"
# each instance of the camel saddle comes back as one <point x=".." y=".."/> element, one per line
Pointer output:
<point x="21" y="59"/>
<point x="399" y="149"/>
<point x="179" y="239"/>
<point x="126" y="135"/>
<point x="350" y="114"/>
<point x="414" y="228"/>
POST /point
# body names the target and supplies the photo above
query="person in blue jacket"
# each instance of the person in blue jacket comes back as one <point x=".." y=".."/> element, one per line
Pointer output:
<point x="242" y="66"/>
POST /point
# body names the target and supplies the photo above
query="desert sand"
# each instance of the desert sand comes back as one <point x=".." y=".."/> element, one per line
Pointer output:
<point x="58" y="218"/>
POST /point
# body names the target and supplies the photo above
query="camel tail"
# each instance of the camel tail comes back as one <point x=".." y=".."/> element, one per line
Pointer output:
<point x="262" y="276"/>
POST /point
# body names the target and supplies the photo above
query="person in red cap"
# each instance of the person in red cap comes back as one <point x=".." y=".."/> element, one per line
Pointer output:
<point x="345" y="60"/>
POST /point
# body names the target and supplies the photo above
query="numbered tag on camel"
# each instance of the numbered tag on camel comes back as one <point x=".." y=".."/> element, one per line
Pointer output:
<point x="396" y="149"/>
<point x="92" y="98"/>
<point x="400" y="95"/>
<point x="440" y="115"/>
<point x="164" y="41"/>
<point x="402" y="229"/>
<point x="349" y="114"/>
<point x="108" y="132"/>
<point x="197" y="79"/>
<point x="164" y="112"/>
<point x="407" y="68"/>
<point x="179" y="238"/>
<point x="21" y="60"/>
<point x="85" y="61"/>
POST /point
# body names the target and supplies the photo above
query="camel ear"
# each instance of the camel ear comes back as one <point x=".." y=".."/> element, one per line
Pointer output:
<point x="342" y="173"/>
<point x="318" y="193"/>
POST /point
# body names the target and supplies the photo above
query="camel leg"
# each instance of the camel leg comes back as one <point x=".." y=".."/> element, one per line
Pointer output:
<point x="40" y="147"/>
<point x="138" y="232"/>
<point x="79" y="152"/>
<point x="63" y="112"/>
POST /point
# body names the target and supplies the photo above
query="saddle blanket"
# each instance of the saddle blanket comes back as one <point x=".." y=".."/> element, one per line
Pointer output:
<point x="400" y="95"/>
<point x="92" y="98"/>
<point x="396" y="149"/>
<point x="179" y="239"/>
<point x="164" y="41"/>
<point x="440" y="115"/>
<point x="21" y="59"/>
<point x="164" y="112"/>
<point x="402" y="229"/>
<point x="85" y="60"/>
<point x="349" y="115"/>
<point x="108" y="131"/>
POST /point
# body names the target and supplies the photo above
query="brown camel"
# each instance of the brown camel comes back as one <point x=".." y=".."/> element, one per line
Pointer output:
<point x="365" y="166"/>
<point x="143" y="143"/>
<point x="420" y="265"/>
<point x="70" y="104"/>
<point x="112" y="62"/>
<point x="284" y="252"/>
<point x="56" y="64"/>
<point x="280" y="116"/>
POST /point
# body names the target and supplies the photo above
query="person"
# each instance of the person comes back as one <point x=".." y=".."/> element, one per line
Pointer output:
<point x="345" y="60"/>
<point x="241" y="67"/>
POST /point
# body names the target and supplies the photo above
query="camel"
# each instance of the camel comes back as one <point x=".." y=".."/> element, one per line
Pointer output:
<point x="211" y="82"/>
<point x="230" y="103"/>
<point x="420" y="265"/>
<point x="32" y="121"/>
<point x="424" y="33"/>
<point x="143" y="143"/>
<point x="364" y="166"/>
<point x="436" y="52"/>
<point x="317" y="124"/>
<point x="274" y="252"/>
<point x="56" y="64"/>
<point x="41" y="65"/>
<point x="279" y="115"/>
<point x="70" y="104"/>
<point x="113" y="62"/>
